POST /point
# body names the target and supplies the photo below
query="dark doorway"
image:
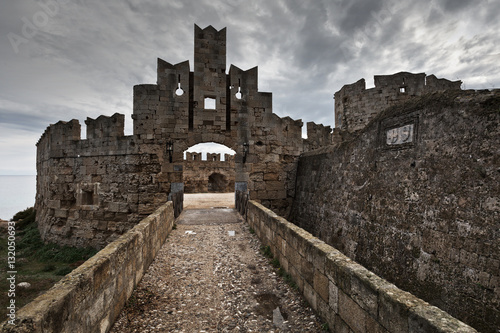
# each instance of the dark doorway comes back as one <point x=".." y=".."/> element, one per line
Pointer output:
<point x="217" y="183"/>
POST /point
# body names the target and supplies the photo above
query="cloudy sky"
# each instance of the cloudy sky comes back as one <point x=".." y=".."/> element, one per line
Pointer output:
<point x="73" y="59"/>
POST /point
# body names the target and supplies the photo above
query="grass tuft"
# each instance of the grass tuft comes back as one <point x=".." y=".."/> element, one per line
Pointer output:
<point x="266" y="251"/>
<point x="287" y="278"/>
<point x="276" y="263"/>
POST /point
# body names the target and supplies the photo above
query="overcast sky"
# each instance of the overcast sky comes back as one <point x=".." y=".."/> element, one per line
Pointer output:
<point x="73" y="59"/>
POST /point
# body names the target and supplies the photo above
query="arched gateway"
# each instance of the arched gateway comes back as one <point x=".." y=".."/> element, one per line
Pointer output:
<point x="91" y="191"/>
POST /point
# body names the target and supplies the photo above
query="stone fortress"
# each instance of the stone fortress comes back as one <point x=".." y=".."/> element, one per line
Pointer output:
<point x="406" y="184"/>
<point x="91" y="191"/>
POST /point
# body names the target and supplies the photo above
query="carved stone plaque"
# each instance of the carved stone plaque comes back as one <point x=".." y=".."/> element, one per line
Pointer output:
<point x="400" y="135"/>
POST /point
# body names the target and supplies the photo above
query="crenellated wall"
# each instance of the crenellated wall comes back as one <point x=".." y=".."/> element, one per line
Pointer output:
<point x="356" y="106"/>
<point x="105" y="127"/>
<point x="89" y="192"/>
<point x="318" y="135"/>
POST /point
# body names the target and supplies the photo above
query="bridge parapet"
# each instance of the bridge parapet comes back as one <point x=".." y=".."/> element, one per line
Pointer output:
<point x="345" y="294"/>
<point x="90" y="298"/>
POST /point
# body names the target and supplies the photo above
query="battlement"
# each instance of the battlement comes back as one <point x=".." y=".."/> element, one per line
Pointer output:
<point x="355" y="105"/>
<point x="65" y="131"/>
<point x="211" y="157"/>
<point x="318" y="135"/>
<point x="172" y="77"/>
<point x="193" y="156"/>
<point x="105" y="127"/>
<point x="243" y="82"/>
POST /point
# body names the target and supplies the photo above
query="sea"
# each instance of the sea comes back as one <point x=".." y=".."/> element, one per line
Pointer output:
<point x="16" y="194"/>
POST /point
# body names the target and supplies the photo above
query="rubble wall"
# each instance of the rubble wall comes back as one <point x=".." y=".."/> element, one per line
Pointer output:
<point x="346" y="295"/>
<point x="414" y="197"/>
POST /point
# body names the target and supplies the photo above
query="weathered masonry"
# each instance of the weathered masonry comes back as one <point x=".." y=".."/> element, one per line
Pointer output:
<point x="413" y="192"/>
<point x="91" y="191"/>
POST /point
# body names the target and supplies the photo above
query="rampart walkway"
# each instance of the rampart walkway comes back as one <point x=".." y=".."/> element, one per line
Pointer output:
<point x="210" y="276"/>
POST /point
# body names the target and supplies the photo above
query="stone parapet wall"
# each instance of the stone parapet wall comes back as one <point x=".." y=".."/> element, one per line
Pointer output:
<point x="90" y="297"/>
<point x="346" y="295"/>
<point x="318" y="135"/>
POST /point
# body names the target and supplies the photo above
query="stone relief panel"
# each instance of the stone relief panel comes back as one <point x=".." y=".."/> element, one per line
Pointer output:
<point x="400" y="135"/>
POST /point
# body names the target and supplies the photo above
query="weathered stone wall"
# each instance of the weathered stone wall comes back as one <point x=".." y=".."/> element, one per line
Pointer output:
<point x="89" y="192"/>
<point x="210" y="175"/>
<point x="90" y="298"/>
<point x="414" y="197"/>
<point x="346" y="295"/>
<point x="356" y="106"/>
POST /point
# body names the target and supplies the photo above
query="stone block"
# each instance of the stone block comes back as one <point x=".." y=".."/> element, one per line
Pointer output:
<point x="54" y="204"/>
<point x="372" y="326"/>
<point x="394" y="308"/>
<point x="297" y="277"/>
<point x="310" y="295"/>
<point x="429" y="319"/>
<point x="307" y="270"/>
<point x="61" y="213"/>
<point x="341" y="326"/>
<point x="352" y="314"/>
<point x="102" y="225"/>
<point x="271" y="176"/>
<point x="333" y="296"/>
<point x="293" y="257"/>
<point x="321" y="285"/>
<point x="114" y="206"/>
<point x="364" y="291"/>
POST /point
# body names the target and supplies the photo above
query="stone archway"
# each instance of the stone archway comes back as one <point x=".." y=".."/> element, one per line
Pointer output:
<point x="209" y="167"/>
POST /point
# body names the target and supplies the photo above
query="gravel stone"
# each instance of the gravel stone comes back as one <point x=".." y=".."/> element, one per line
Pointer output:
<point x="207" y="280"/>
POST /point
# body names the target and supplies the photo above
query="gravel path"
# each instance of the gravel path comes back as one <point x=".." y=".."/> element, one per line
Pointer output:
<point x="210" y="276"/>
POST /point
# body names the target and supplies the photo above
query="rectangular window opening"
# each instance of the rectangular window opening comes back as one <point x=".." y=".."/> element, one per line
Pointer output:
<point x="87" y="198"/>
<point x="210" y="103"/>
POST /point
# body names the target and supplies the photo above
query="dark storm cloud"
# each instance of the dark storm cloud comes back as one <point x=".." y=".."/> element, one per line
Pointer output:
<point x="23" y="120"/>
<point x="457" y="5"/>
<point x="357" y="14"/>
